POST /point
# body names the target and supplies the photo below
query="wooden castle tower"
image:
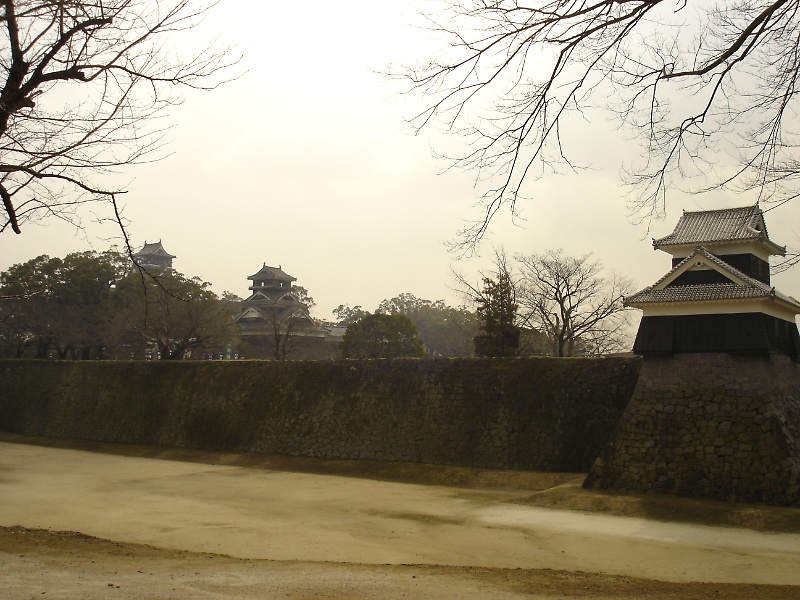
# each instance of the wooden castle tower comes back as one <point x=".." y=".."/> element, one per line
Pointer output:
<point x="717" y="297"/>
<point x="716" y="410"/>
<point x="272" y="306"/>
<point x="275" y="323"/>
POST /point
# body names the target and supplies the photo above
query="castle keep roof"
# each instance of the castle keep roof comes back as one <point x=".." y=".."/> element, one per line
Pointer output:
<point x="156" y="249"/>
<point x="268" y="272"/>
<point x="153" y="255"/>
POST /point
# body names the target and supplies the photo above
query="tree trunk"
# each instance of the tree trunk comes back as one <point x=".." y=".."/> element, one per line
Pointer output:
<point x="42" y="349"/>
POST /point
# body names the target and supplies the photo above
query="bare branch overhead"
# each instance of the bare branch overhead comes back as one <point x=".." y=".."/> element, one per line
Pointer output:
<point x="82" y="83"/>
<point x="708" y="89"/>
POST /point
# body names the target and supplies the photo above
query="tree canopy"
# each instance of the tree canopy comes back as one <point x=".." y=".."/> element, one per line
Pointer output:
<point x="708" y="89"/>
<point x="345" y="315"/>
<point x="61" y="306"/>
<point x="96" y="305"/>
<point x="445" y="331"/>
<point x="382" y="336"/>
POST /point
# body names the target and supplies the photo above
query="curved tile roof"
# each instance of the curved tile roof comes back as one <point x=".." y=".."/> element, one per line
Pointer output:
<point x="154" y="249"/>
<point x="695" y="293"/>
<point x="724" y="225"/>
<point x="749" y="288"/>
<point x="268" y="272"/>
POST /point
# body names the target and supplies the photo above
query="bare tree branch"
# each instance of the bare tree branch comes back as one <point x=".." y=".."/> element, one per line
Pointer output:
<point x="56" y="150"/>
<point x="709" y="89"/>
<point x="566" y="299"/>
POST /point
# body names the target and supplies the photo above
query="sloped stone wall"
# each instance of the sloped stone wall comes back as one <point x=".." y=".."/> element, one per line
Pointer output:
<point x="528" y="413"/>
<point x="711" y="426"/>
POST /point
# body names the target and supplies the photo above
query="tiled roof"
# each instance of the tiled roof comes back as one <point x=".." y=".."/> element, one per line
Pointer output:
<point x="749" y="288"/>
<point x="255" y="310"/>
<point x="728" y="224"/>
<point x="694" y="293"/>
<point x="268" y="272"/>
<point x="153" y="249"/>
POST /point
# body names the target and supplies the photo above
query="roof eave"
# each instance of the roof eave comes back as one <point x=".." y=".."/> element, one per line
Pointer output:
<point x="788" y="303"/>
<point x="774" y="249"/>
<point x="272" y="276"/>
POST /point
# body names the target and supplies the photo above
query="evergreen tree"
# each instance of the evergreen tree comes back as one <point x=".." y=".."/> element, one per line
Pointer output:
<point x="497" y="311"/>
<point x="382" y="336"/>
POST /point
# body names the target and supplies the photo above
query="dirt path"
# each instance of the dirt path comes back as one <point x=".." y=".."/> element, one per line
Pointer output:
<point x="71" y="566"/>
<point x="296" y="535"/>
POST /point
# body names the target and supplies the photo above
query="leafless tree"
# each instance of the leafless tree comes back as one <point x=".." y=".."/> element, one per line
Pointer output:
<point x="182" y="315"/>
<point x="83" y="84"/>
<point x="284" y="321"/>
<point x="567" y="300"/>
<point x="709" y="88"/>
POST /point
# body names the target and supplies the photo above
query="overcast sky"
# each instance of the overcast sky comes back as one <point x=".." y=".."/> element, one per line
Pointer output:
<point x="306" y="162"/>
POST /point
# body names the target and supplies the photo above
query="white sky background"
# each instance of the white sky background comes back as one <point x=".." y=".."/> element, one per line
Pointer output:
<point x="306" y="162"/>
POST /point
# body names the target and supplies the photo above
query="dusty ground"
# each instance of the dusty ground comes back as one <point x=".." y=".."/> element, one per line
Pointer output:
<point x="242" y="529"/>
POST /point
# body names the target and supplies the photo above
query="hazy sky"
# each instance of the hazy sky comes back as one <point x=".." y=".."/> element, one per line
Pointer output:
<point x="306" y="162"/>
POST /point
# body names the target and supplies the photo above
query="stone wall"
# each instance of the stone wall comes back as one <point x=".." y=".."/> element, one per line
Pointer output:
<point x="527" y="413"/>
<point x="712" y="426"/>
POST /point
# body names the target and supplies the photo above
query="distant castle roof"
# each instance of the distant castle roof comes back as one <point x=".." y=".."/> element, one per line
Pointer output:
<point x="155" y="249"/>
<point x="268" y="272"/>
<point x="704" y="227"/>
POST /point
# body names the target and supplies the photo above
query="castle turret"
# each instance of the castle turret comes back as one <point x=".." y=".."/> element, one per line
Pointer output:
<point x="717" y="297"/>
<point x="715" y="413"/>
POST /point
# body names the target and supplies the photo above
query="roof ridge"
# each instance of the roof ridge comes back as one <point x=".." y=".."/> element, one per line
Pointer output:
<point x="734" y="224"/>
<point x="754" y="207"/>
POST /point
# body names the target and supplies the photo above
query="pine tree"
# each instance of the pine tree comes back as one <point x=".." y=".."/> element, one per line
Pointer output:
<point x="497" y="311"/>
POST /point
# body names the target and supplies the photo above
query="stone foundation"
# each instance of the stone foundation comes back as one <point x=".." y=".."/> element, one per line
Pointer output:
<point x="711" y="426"/>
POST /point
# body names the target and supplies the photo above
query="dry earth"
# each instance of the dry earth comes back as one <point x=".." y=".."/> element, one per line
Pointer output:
<point x="243" y="526"/>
